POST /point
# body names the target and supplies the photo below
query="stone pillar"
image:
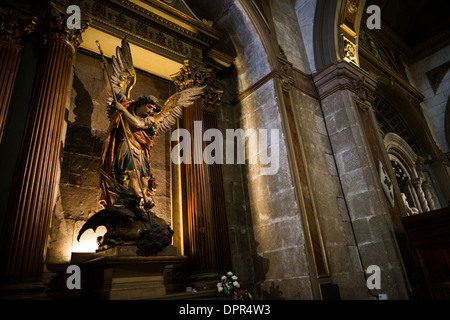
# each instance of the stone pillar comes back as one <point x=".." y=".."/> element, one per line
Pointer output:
<point x="205" y="226"/>
<point x="346" y="93"/>
<point x="12" y="29"/>
<point x="417" y="182"/>
<point x="426" y="187"/>
<point x="30" y="208"/>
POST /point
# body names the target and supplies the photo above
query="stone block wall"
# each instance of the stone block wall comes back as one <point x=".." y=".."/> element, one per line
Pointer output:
<point x="341" y="252"/>
<point x="367" y="207"/>
<point x="280" y="258"/>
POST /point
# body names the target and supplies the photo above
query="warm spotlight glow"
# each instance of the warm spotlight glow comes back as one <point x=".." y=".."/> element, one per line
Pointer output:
<point x="88" y="241"/>
<point x="143" y="58"/>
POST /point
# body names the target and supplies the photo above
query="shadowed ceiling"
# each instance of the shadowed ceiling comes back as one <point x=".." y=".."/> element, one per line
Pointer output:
<point x="416" y="21"/>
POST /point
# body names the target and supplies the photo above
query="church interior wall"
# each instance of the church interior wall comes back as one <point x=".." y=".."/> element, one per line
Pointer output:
<point x="342" y="255"/>
<point x="287" y="27"/>
<point x="277" y="227"/>
<point x="435" y="103"/>
<point x="368" y="209"/>
<point x="273" y="235"/>
<point x="271" y="241"/>
<point x="305" y="11"/>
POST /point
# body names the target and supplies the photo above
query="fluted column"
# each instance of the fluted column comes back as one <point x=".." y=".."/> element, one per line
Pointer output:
<point x="35" y="181"/>
<point x="417" y="182"/>
<point x="205" y="225"/>
<point x="12" y="29"/>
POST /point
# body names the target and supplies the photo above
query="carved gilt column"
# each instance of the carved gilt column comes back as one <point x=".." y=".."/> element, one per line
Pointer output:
<point x="205" y="227"/>
<point x="30" y="208"/>
<point x="12" y="29"/>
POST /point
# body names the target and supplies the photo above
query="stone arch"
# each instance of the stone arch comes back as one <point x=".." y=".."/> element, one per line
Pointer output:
<point x="408" y="168"/>
<point x="336" y="30"/>
<point x="248" y="34"/>
<point x="408" y="108"/>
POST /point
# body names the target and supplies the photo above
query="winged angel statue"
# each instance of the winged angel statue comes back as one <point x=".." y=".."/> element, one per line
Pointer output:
<point x="125" y="160"/>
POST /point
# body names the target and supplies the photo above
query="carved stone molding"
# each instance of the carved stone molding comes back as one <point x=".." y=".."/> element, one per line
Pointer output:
<point x="363" y="91"/>
<point x="417" y="182"/>
<point x="364" y="106"/>
<point x="57" y="29"/>
<point x="14" y="27"/>
<point x="342" y="75"/>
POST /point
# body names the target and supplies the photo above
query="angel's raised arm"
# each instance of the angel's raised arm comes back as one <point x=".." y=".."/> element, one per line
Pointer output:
<point x="134" y="121"/>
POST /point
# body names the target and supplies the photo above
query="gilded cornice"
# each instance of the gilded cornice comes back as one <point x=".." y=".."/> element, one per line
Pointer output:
<point x="202" y="26"/>
<point x="213" y="35"/>
<point x="164" y="29"/>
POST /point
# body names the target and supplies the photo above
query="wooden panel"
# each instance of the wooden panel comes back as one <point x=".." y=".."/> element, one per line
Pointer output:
<point x="429" y="228"/>
<point x="205" y="228"/>
<point x="429" y="234"/>
<point x="30" y="208"/>
<point x="219" y="212"/>
<point x="9" y="57"/>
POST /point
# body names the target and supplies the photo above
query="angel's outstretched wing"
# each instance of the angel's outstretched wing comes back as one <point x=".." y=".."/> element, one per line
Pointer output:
<point x="173" y="108"/>
<point x="123" y="77"/>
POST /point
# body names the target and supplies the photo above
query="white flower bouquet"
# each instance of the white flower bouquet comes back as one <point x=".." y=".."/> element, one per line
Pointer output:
<point x="228" y="285"/>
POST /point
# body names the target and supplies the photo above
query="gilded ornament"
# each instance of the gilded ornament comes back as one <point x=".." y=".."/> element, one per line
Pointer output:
<point x="57" y="27"/>
<point x="13" y="26"/>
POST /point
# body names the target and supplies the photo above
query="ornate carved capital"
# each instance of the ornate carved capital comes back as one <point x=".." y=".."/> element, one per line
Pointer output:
<point x="13" y="26"/>
<point x="343" y="75"/>
<point x="57" y="27"/>
<point x="191" y="75"/>
<point x="362" y="89"/>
